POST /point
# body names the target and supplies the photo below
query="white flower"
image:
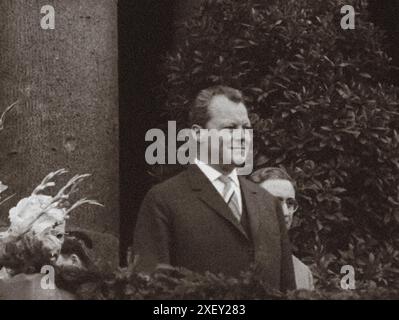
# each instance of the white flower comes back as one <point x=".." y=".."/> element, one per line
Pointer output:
<point x="28" y="210"/>
<point x="37" y="223"/>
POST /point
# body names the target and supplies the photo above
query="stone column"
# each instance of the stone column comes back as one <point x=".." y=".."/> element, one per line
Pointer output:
<point x="67" y="80"/>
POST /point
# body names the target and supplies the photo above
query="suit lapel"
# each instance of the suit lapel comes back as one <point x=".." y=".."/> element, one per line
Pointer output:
<point x="210" y="196"/>
<point x="249" y="195"/>
<point x="262" y="220"/>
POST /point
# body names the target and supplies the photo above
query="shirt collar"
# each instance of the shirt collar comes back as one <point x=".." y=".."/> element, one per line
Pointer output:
<point x="213" y="175"/>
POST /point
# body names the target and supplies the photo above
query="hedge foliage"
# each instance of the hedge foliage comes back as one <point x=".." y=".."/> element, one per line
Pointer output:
<point x="169" y="283"/>
<point x="322" y="106"/>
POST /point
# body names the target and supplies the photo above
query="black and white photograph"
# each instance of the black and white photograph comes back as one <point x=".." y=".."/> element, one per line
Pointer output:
<point x="188" y="151"/>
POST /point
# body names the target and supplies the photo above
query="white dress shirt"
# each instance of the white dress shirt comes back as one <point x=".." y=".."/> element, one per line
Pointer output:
<point x="213" y="176"/>
<point x="303" y="275"/>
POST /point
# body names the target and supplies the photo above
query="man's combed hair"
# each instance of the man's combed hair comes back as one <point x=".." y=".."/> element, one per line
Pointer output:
<point x="79" y="243"/>
<point x="199" y="114"/>
<point x="271" y="173"/>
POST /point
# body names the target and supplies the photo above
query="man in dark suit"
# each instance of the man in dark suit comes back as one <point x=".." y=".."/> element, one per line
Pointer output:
<point x="207" y="218"/>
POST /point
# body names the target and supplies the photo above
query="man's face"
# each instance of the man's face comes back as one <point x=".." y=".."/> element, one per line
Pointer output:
<point x="285" y="192"/>
<point x="69" y="261"/>
<point x="228" y="124"/>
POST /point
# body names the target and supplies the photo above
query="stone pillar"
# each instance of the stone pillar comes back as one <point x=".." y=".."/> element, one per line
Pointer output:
<point x="67" y="80"/>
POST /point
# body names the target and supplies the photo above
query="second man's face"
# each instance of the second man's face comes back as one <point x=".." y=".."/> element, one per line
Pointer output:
<point x="285" y="192"/>
<point x="231" y="128"/>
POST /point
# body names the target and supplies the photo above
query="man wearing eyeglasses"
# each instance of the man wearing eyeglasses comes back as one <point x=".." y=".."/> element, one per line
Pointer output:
<point x="277" y="182"/>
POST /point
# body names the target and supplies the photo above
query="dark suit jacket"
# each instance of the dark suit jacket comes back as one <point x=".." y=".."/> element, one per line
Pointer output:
<point x="185" y="222"/>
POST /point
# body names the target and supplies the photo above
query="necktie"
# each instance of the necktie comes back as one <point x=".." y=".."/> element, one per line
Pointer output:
<point x="231" y="197"/>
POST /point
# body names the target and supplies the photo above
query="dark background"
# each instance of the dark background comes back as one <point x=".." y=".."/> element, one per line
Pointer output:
<point x="145" y="33"/>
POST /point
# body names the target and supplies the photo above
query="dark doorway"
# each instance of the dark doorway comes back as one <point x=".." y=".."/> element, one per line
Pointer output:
<point x="146" y="32"/>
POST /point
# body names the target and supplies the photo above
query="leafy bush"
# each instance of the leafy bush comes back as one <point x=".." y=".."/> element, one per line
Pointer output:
<point x="322" y="106"/>
<point x="172" y="283"/>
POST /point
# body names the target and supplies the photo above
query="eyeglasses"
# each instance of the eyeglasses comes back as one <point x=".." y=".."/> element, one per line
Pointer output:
<point x="291" y="203"/>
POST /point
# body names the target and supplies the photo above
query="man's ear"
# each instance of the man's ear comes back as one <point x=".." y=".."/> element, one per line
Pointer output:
<point x="196" y="132"/>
